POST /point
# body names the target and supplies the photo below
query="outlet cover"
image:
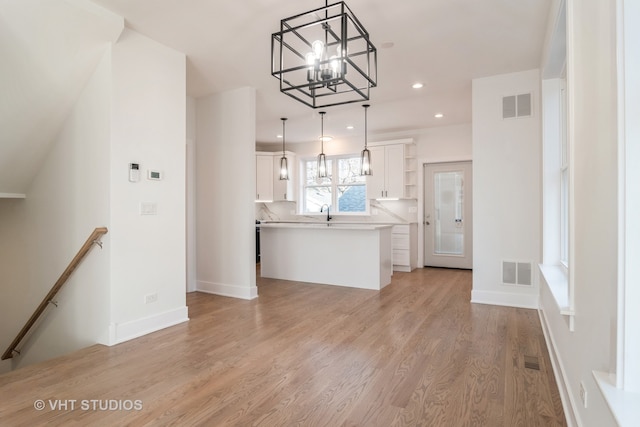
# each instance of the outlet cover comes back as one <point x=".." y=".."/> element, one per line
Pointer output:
<point x="148" y="299"/>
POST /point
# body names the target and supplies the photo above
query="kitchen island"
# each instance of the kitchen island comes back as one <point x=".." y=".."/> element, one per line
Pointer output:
<point x="353" y="255"/>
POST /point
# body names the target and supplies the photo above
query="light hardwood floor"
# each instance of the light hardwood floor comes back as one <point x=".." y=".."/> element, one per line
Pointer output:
<point x="416" y="353"/>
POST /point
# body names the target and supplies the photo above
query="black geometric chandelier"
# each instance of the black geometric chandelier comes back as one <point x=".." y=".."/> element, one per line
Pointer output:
<point x="324" y="57"/>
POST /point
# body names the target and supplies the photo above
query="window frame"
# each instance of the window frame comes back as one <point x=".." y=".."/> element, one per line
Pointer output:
<point x="565" y="174"/>
<point x="333" y="185"/>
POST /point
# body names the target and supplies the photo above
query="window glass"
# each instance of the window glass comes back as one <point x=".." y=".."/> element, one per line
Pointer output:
<point x="349" y="171"/>
<point x="346" y="194"/>
<point x="315" y="197"/>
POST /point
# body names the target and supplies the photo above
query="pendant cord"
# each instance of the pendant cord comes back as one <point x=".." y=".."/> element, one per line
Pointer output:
<point x="322" y="113"/>
<point x="366" y="107"/>
<point x="283" y="135"/>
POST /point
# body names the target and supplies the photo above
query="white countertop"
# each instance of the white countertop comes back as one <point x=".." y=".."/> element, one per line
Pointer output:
<point x="325" y="225"/>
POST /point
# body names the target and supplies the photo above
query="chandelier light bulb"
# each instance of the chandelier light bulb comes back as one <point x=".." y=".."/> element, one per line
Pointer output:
<point x="310" y="59"/>
<point x="317" y="47"/>
<point x="335" y="65"/>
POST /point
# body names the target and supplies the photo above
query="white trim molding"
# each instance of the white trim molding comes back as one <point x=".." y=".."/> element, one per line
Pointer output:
<point x="233" y="291"/>
<point x="559" y="373"/>
<point x="508" y="299"/>
<point x="121" y="332"/>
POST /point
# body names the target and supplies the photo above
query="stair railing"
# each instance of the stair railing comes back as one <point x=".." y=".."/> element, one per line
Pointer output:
<point x="94" y="238"/>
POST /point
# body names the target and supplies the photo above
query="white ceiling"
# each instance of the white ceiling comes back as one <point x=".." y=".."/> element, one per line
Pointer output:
<point x="50" y="47"/>
<point x="442" y="43"/>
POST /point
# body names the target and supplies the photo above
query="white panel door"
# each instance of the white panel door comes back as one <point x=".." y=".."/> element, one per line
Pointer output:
<point x="448" y="215"/>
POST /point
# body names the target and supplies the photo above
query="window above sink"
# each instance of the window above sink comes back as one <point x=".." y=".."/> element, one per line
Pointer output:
<point x="344" y="189"/>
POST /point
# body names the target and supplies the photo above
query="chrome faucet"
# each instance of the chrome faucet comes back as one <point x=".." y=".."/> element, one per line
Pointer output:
<point x="322" y="210"/>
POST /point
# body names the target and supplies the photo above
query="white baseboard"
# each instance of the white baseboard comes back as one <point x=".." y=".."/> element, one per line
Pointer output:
<point x="121" y="332"/>
<point x="234" y="291"/>
<point x="505" y="298"/>
<point x="558" y="373"/>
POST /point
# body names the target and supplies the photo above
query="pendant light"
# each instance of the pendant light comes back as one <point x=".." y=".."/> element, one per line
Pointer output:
<point x="284" y="166"/>
<point x="365" y="157"/>
<point x="324" y="57"/>
<point x="322" y="160"/>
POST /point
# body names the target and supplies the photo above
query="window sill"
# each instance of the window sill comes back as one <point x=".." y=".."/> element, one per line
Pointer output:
<point x="557" y="281"/>
<point x="624" y="405"/>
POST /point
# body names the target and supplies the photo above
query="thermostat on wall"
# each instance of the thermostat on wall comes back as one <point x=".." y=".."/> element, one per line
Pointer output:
<point x="154" y="175"/>
<point x="134" y="172"/>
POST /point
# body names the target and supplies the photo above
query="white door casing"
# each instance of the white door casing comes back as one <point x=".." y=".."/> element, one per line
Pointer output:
<point x="448" y="215"/>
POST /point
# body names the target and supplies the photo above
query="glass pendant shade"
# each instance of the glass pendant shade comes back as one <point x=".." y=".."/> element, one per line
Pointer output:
<point x="284" y="164"/>
<point x="365" y="156"/>
<point x="365" y="162"/>
<point x="322" y="166"/>
<point x="322" y="160"/>
<point x="284" y="168"/>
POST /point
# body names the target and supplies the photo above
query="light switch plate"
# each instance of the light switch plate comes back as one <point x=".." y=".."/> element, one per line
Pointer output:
<point x="148" y="208"/>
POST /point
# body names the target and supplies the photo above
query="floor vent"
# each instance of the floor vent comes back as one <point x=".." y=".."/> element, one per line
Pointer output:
<point x="532" y="362"/>
<point x="516" y="273"/>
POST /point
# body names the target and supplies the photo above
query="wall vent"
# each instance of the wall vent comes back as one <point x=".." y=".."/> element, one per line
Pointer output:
<point x="516" y="273"/>
<point x="516" y="106"/>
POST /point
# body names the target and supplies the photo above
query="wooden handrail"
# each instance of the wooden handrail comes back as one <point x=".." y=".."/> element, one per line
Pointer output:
<point x="84" y="250"/>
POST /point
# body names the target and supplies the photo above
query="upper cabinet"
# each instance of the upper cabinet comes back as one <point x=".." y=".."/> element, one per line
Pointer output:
<point x="269" y="186"/>
<point x="394" y="172"/>
<point x="264" y="177"/>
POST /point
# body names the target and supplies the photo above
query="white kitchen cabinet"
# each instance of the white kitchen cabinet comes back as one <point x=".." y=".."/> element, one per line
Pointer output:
<point x="393" y="169"/>
<point x="404" y="247"/>
<point x="264" y="177"/>
<point x="283" y="189"/>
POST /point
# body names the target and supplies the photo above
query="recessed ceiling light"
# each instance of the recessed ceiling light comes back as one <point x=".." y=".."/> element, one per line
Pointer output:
<point x="438" y="115"/>
<point x="278" y="136"/>
<point x="326" y="138"/>
<point x="417" y="85"/>
<point x="350" y="127"/>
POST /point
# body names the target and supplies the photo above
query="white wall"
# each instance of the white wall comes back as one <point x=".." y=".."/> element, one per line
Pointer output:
<point x="67" y="199"/>
<point x="191" y="194"/>
<point x="148" y="127"/>
<point x="132" y="110"/>
<point x="445" y="144"/>
<point x="15" y="272"/>
<point x="225" y="180"/>
<point x="49" y="51"/>
<point x="593" y="259"/>
<point x="506" y="186"/>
